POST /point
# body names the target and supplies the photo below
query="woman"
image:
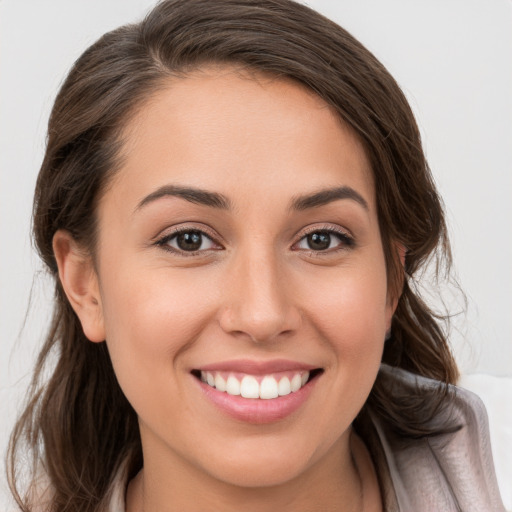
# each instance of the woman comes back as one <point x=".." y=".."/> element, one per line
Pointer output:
<point x="234" y="203"/>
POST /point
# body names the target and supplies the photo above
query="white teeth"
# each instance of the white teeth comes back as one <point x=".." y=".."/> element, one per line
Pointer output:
<point x="249" y="387"/>
<point x="220" y="383"/>
<point x="296" y="382"/>
<point x="232" y="386"/>
<point x="268" y="388"/>
<point x="284" y="387"/>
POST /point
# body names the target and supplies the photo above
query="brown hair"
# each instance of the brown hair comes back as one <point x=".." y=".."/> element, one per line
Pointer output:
<point x="78" y="423"/>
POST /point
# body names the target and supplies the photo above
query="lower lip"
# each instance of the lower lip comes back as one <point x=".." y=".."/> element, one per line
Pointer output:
<point x="257" y="410"/>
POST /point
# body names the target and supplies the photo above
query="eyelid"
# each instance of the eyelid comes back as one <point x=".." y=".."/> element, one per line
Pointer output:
<point x="164" y="236"/>
<point x="330" y="228"/>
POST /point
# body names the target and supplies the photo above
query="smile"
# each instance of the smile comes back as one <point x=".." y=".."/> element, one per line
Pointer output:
<point x="257" y="393"/>
<point x="265" y="387"/>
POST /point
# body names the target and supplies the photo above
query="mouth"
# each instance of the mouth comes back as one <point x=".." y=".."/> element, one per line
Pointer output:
<point x="257" y="393"/>
<point x="257" y="386"/>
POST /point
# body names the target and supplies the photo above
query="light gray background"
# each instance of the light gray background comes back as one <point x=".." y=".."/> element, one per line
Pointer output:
<point x="453" y="58"/>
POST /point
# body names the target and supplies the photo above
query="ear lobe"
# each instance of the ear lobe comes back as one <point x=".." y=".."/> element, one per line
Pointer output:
<point x="401" y="252"/>
<point x="80" y="283"/>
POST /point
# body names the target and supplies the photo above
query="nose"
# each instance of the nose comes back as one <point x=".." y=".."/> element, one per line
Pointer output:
<point x="258" y="299"/>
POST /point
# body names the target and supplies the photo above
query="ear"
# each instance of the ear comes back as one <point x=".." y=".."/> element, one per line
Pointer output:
<point x="80" y="283"/>
<point x="401" y="252"/>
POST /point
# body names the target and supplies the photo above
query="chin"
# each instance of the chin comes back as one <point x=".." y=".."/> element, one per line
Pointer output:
<point x="270" y="472"/>
<point x="266" y="463"/>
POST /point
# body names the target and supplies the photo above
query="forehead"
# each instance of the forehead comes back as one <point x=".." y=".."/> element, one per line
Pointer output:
<point x="219" y="127"/>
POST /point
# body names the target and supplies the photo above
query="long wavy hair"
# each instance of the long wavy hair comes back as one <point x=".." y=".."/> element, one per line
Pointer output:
<point x="77" y="424"/>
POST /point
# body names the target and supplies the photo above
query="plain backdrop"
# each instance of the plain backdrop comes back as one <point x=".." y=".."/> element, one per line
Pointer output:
<point x="453" y="59"/>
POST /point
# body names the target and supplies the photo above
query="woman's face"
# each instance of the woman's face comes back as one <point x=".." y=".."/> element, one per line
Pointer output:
<point x="239" y="244"/>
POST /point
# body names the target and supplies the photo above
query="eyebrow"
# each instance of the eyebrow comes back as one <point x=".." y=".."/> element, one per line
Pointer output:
<point x="326" y="196"/>
<point x="216" y="200"/>
<point x="191" y="194"/>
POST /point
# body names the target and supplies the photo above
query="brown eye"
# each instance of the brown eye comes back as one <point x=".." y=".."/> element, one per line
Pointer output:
<point x="189" y="241"/>
<point x="323" y="240"/>
<point x="319" y="241"/>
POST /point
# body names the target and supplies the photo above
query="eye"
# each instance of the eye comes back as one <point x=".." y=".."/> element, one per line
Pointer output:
<point x="190" y="240"/>
<point x="323" y="240"/>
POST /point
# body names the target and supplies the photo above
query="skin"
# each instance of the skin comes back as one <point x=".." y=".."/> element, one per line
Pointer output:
<point x="257" y="291"/>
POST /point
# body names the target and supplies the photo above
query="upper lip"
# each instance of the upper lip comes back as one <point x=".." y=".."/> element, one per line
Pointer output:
<point x="252" y="367"/>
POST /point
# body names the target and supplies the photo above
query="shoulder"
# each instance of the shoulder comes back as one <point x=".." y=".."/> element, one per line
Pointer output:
<point x="449" y="469"/>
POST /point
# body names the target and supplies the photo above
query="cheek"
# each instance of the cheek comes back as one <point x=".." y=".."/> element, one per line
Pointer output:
<point x="152" y="307"/>
<point x="352" y="307"/>
<point x="149" y="321"/>
<point x="351" y="314"/>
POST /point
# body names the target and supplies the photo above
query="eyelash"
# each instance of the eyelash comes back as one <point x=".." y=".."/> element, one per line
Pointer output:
<point x="164" y="241"/>
<point x="346" y="241"/>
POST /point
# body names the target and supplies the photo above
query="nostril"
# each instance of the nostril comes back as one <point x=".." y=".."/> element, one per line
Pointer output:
<point x="260" y="317"/>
